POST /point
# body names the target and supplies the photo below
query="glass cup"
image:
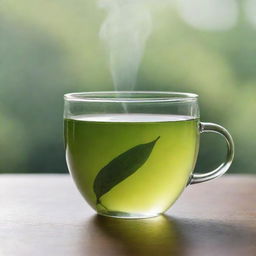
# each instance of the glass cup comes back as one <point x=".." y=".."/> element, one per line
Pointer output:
<point x="131" y="154"/>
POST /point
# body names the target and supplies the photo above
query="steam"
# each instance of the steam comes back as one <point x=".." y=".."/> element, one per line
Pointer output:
<point x="124" y="33"/>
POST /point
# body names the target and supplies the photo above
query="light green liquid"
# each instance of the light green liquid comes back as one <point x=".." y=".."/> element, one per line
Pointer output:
<point x="92" y="141"/>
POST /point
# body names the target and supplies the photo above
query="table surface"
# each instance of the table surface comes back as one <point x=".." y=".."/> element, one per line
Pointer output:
<point x="45" y="215"/>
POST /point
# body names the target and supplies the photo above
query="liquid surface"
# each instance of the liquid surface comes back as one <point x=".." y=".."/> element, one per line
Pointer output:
<point x="168" y="154"/>
<point x="132" y="118"/>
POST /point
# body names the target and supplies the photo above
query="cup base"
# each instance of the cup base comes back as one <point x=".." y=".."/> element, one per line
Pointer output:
<point x="125" y="215"/>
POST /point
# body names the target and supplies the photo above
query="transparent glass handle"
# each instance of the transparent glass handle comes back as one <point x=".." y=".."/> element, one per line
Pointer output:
<point x="215" y="128"/>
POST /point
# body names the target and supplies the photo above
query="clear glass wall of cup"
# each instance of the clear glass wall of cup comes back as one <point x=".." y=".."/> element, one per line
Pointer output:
<point x="131" y="154"/>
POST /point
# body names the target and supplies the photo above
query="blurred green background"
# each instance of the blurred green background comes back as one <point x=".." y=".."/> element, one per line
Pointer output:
<point x="48" y="48"/>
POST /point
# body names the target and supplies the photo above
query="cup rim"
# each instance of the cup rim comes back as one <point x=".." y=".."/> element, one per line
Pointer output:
<point x="131" y="96"/>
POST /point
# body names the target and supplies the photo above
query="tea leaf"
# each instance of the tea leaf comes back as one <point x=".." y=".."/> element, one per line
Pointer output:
<point x="121" y="167"/>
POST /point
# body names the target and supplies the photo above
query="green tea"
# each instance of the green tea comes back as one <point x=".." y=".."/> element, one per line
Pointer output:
<point x="131" y="163"/>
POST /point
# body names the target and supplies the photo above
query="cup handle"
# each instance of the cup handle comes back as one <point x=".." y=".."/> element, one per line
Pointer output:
<point x="215" y="128"/>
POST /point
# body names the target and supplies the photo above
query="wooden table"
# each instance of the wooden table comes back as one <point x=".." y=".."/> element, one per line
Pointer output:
<point x="44" y="215"/>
